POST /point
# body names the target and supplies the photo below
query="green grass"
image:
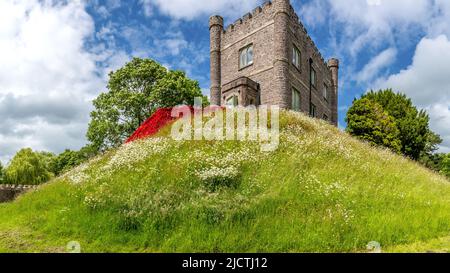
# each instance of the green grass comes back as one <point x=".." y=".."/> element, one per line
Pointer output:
<point x="321" y="191"/>
<point x="439" y="245"/>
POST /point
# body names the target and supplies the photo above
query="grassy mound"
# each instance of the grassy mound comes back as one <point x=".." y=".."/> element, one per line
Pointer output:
<point x="321" y="191"/>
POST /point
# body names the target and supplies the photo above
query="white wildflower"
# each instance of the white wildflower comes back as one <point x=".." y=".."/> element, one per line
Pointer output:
<point x="131" y="153"/>
<point x="209" y="174"/>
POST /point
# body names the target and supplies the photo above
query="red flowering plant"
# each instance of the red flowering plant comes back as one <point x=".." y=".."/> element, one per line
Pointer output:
<point x="152" y="125"/>
<point x="161" y="118"/>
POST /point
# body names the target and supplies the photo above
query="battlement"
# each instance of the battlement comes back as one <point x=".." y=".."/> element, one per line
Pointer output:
<point x="267" y="8"/>
<point x="215" y="20"/>
<point x="300" y="27"/>
<point x="333" y="62"/>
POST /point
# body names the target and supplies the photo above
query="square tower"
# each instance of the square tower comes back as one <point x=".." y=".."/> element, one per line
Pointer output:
<point x="267" y="57"/>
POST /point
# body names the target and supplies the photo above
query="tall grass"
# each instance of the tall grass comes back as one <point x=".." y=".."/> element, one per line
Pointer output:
<point x="321" y="191"/>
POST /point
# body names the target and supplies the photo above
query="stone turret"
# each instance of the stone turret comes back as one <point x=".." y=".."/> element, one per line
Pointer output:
<point x="333" y="64"/>
<point x="215" y="30"/>
<point x="282" y="93"/>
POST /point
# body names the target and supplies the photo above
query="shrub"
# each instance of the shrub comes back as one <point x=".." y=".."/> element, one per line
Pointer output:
<point x="445" y="168"/>
<point x="28" y="168"/>
<point x="368" y="121"/>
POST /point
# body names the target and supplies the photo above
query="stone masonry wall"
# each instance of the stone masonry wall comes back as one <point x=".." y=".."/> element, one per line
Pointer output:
<point x="300" y="78"/>
<point x="273" y="29"/>
<point x="255" y="28"/>
<point x="10" y="192"/>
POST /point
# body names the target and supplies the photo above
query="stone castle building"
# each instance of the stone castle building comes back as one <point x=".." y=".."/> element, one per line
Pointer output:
<point x="267" y="57"/>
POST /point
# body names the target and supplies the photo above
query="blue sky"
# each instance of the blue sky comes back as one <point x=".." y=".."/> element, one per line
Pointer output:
<point x="55" y="55"/>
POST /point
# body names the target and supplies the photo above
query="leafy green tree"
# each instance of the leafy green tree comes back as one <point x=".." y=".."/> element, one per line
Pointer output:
<point x="445" y="166"/>
<point x="48" y="160"/>
<point x="429" y="158"/>
<point x="1" y="173"/>
<point x="87" y="152"/>
<point x="432" y="161"/>
<point x="368" y="121"/>
<point x="29" y="168"/>
<point x="176" y="89"/>
<point x="135" y="91"/>
<point x="415" y="136"/>
<point x="65" y="161"/>
<point x="70" y="159"/>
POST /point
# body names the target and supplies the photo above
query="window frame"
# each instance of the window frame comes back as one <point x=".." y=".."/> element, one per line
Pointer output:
<point x="313" y="80"/>
<point x="295" y="52"/>
<point x="235" y="99"/>
<point x="246" y="50"/>
<point x="313" y="110"/>
<point x="295" y="90"/>
<point x="325" y="91"/>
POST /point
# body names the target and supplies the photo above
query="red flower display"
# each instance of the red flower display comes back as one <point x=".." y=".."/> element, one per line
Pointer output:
<point x="152" y="125"/>
<point x="161" y="118"/>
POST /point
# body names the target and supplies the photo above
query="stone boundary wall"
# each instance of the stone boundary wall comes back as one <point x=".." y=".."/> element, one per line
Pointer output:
<point x="10" y="192"/>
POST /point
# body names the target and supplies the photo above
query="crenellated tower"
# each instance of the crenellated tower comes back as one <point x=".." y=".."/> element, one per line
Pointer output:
<point x="267" y="57"/>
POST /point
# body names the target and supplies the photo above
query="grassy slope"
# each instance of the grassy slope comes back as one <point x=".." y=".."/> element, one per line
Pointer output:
<point x="320" y="191"/>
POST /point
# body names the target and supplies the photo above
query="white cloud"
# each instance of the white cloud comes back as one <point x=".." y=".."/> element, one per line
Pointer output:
<point x="361" y="28"/>
<point x="372" y="25"/>
<point x="427" y="79"/>
<point x="148" y="7"/>
<point x="313" y="12"/>
<point x="190" y="9"/>
<point x="439" y="23"/>
<point x="372" y="69"/>
<point x="427" y="82"/>
<point x="47" y="76"/>
<point x="440" y="122"/>
<point x="174" y="45"/>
